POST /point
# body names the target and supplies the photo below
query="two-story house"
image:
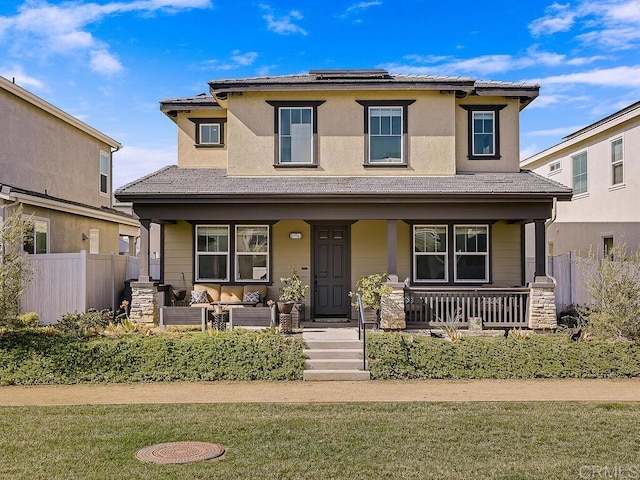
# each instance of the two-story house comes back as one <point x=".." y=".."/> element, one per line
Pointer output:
<point x="59" y="169"/>
<point x="600" y="163"/>
<point x="343" y="173"/>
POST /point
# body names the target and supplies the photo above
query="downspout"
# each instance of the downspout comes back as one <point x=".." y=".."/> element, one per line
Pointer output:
<point x="547" y="224"/>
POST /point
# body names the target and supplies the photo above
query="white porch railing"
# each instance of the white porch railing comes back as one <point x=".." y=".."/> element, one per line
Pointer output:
<point x="498" y="307"/>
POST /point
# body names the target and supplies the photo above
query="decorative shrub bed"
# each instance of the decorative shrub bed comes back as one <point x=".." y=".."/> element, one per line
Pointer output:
<point x="33" y="357"/>
<point x="401" y="356"/>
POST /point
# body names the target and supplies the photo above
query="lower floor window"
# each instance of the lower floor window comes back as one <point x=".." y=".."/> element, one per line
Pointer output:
<point x="224" y="253"/>
<point x="432" y="261"/>
<point x="37" y="239"/>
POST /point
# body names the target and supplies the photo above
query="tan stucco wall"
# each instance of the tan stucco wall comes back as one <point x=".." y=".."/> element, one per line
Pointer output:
<point x="65" y="231"/>
<point x="506" y="247"/>
<point x="509" y="136"/>
<point x="42" y="153"/>
<point x="431" y="131"/>
<point x="190" y="155"/>
<point x="178" y="255"/>
<point x="288" y="253"/>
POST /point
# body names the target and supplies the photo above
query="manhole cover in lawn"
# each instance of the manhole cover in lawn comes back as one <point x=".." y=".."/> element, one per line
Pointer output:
<point x="180" y="452"/>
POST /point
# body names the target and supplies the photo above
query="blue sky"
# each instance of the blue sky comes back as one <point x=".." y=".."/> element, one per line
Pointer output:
<point x="110" y="62"/>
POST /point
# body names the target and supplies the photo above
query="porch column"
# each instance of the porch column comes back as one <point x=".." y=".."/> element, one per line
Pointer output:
<point x="144" y="293"/>
<point x="541" y="250"/>
<point x="145" y="226"/>
<point x="392" y="249"/>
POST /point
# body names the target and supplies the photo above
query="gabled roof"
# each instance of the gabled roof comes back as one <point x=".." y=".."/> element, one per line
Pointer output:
<point x="195" y="184"/>
<point x="56" y="112"/>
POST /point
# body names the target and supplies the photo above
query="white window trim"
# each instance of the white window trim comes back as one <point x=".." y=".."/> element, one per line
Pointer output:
<point x="217" y="125"/>
<point x="417" y="254"/>
<point x="219" y="254"/>
<point x="586" y="192"/>
<point x="238" y="254"/>
<point x="473" y="134"/>
<point x="401" y="160"/>
<point x="108" y="174"/>
<point x="615" y="163"/>
<point x="456" y="254"/>
<point x="281" y="135"/>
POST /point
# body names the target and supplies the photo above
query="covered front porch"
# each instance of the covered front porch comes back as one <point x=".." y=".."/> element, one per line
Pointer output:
<point x="456" y="242"/>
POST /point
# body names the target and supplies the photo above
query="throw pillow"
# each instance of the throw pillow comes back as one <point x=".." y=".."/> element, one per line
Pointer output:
<point x="253" y="297"/>
<point x="198" y="296"/>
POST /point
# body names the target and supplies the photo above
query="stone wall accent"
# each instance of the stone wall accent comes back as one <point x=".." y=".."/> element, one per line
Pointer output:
<point x="144" y="302"/>
<point x="542" y="304"/>
<point x="392" y="308"/>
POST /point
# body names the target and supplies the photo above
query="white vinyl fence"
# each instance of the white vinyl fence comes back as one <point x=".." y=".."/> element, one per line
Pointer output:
<point x="75" y="282"/>
<point x="570" y="287"/>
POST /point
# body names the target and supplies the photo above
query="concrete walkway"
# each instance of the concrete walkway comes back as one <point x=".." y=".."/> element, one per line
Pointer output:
<point x="327" y="392"/>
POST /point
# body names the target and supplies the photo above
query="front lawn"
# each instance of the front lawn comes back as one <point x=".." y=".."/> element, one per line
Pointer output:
<point x="341" y="441"/>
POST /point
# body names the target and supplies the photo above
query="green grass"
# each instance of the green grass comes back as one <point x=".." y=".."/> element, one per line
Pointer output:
<point x="341" y="441"/>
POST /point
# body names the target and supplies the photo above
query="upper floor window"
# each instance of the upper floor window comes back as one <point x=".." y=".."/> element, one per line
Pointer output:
<point x="385" y="129"/>
<point x="295" y="132"/>
<point x="37" y="239"/>
<point x="209" y="131"/>
<point x="484" y="131"/>
<point x="104" y="173"/>
<point x="580" y="173"/>
<point x="617" y="162"/>
<point x="555" y="167"/>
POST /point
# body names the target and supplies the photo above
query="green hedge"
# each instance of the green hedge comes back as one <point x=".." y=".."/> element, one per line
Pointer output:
<point x="33" y="357"/>
<point x="401" y="356"/>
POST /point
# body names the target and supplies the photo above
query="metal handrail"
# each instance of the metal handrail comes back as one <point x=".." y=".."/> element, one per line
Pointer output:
<point x="363" y="337"/>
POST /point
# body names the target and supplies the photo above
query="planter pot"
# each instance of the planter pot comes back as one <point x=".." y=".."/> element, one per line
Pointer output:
<point x="285" y="307"/>
<point x="179" y="294"/>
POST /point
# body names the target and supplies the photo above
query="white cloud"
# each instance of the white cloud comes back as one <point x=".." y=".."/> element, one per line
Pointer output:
<point x="105" y="63"/>
<point x="528" y="151"/>
<point x="558" y="19"/>
<point x="554" y="132"/>
<point x="41" y="28"/>
<point x="610" y="24"/>
<point x="623" y="76"/>
<point x="284" y="24"/>
<point x="486" y="64"/>
<point x="17" y="72"/>
<point x="237" y="59"/>
<point x="133" y="162"/>
<point x="358" y="7"/>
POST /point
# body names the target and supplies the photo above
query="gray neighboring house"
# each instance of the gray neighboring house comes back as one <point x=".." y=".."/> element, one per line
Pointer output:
<point x="345" y="173"/>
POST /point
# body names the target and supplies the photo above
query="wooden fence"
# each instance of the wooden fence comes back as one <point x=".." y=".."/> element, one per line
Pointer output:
<point x="75" y="282"/>
<point x="569" y="276"/>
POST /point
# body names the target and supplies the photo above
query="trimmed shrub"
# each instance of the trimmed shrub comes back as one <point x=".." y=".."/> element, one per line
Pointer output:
<point x="403" y="356"/>
<point x="84" y="325"/>
<point x="35" y="357"/>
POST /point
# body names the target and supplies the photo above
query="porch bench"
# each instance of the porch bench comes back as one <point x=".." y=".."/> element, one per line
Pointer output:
<point x="228" y="295"/>
<point x="183" y="316"/>
<point x="251" y="317"/>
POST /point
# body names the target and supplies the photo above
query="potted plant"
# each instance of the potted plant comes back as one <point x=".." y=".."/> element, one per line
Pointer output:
<point x="292" y="292"/>
<point x="372" y="289"/>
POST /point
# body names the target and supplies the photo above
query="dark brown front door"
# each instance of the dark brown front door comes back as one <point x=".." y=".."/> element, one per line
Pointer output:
<point x="331" y="271"/>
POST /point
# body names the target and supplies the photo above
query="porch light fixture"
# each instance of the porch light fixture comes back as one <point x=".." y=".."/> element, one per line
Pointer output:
<point x="295" y="235"/>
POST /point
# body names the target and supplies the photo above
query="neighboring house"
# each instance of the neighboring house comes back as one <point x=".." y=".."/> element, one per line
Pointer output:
<point x="601" y="162"/>
<point x="59" y="169"/>
<point x="343" y="173"/>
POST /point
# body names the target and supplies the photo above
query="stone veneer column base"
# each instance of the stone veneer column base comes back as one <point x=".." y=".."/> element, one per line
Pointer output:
<point x="144" y="302"/>
<point x="542" y="304"/>
<point x="392" y="308"/>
